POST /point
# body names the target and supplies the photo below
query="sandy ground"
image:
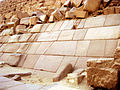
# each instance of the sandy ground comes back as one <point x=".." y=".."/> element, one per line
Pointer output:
<point x="43" y="78"/>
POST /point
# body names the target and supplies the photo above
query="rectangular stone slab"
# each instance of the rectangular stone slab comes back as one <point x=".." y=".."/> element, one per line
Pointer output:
<point x="62" y="48"/>
<point x="96" y="48"/>
<point x="49" y="63"/>
<point x="95" y="21"/>
<point x="103" y="33"/>
<point x="30" y="61"/>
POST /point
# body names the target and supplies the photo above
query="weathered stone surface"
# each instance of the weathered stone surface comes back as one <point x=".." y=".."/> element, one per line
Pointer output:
<point x="69" y="48"/>
<point x="51" y="19"/>
<point x="64" y="24"/>
<point x="23" y="47"/>
<point x="33" y="20"/>
<point x="67" y="3"/>
<point x="76" y="3"/>
<point x="50" y="27"/>
<point x="32" y="48"/>
<point x="57" y="14"/>
<point x="14" y="38"/>
<point x="69" y="60"/>
<point x="109" y="10"/>
<point x="74" y="78"/>
<point x="62" y="72"/>
<point x="11" y="47"/>
<point x="81" y="63"/>
<point x="7" y="32"/>
<point x="94" y="50"/>
<point x="91" y="5"/>
<point x="57" y="26"/>
<point x="49" y="36"/>
<point x="24" y="37"/>
<point x="21" y="15"/>
<point x="117" y="53"/>
<point x="82" y="23"/>
<point x="100" y="62"/>
<point x="101" y="77"/>
<point x="25" y="21"/>
<point x="43" y="47"/>
<point x="113" y="19"/>
<point x="43" y="18"/>
<point x="111" y="45"/>
<point x="21" y="29"/>
<point x="79" y="34"/>
<point x="81" y="14"/>
<point x="44" y="27"/>
<point x="14" y="59"/>
<point x="30" y="61"/>
<point x="117" y="9"/>
<point x="82" y="48"/>
<point x="49" y="63"/>
<point x="95" y="21"/>
<point x="66" y="35"/>
<point x="70" y="25"/>
<point x="103" y="33"/>
<point x="36" y="28"/>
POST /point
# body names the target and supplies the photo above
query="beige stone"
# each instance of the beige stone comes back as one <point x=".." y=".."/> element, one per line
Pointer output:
<point x="91" y="5"/>
<point x="51" y="19"/>
<point x="69" y="48"/>
<point x="103" y="33"/>
<point x="109" y="10"/>
<point x="62" y="72"/>
<point x="100" y="62"/>
<point x="57" y="26"/>
<point x="43" y="47"/>
<point x="81" y="24"/>
<point x="7" y="32"/>
<point x="44" y="18"/>
<point x="79" y="34"/>
<point x="95" y="21"/>
<point x="25" y="21"/>
<point x="81" y="14"/>
<point x="74" y="78"/>
<point x="49" y="36"/>
<point x="49" y="63"/>
<point x="76" y="3"/>
<point x="64" y="24"/>
<point x="23" y="47"/>
<point x="36" y="28"/>
<point x="66" y="35"/>
<point x="21" y="29"/>
<point x="33" y="20"/>
<point x="21" y="15"/>
<point x="113" y="19"/>
<point x="67" y="3"/>
<point x="57" y="14"/>
<point x="117" y="10"/>
<point x="14" y="38"/>
<point x="82" y="48"/>
<point x="101" y="77"/>
<point x="50" y="27"/>
<point x="24" y="37"/>
<point x="70" y="25"/>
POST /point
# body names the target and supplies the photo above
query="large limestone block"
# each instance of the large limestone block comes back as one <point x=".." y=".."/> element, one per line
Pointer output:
<point x="91" y="5"/>
<point x="103" y="33"/>
<point x="49" y="63"/>
<point x="82" y="48"/>
<point x="7" y="32"/>
<point x="95" y="21"/>
<point x="14" y="38"/>
<point x="103" y="78"/>
<point x="25" y="21"/>
<point x="21" y="29"/>
<point x="36" y="28"/>
<point x="62" y="72"/>
<point x="62" y="48"/>
<point x="66" y="35"/>
<point x="33" y="20"/>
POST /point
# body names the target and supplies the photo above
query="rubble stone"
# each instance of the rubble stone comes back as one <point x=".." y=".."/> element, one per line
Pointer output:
<point x="62" y="72"/>
<point x="21" y="29"/>
<point x="91" y="5"/>
<point x="100" y="62"/>
<point x="25" y="21"/>
<point x="102" y="77"/>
